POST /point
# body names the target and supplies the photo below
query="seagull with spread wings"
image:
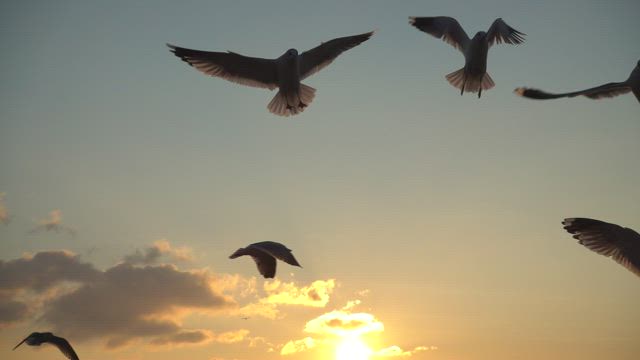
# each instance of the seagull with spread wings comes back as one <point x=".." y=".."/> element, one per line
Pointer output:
<point x="611" y="240"/>
<point x="603" y="91"/>
<point x="473" y="77"/>
<point x="265" y="254"/>
<point x="36" y="339"/>
<point x="284" y="73"/>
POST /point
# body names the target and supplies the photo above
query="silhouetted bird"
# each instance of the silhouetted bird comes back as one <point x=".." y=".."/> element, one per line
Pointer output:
<point x="614" y="241"/>
<point x="603" y="91"/>
<point x="36" y="339"/>
<point x="265" y="254"/>
<point x="473" y="77"/>
<point x="284" y="73"/>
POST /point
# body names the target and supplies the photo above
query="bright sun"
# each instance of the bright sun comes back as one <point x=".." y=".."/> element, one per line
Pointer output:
<point x="352" y="348"/>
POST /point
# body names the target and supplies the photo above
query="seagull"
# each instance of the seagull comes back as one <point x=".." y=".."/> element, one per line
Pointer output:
<point x="284" y="73"/>
<point x="265" y="254"/>
<point x="36" y="339"/>
<point x="603" y="91"/>
<point x="611" y="240"/>
<point x="473" y="77"/>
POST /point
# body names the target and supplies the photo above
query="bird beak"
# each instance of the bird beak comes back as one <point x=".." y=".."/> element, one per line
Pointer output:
<point x="25" y="339"/>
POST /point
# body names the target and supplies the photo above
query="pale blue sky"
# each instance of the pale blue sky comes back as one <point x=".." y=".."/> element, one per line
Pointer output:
<point x="389" y="181"/>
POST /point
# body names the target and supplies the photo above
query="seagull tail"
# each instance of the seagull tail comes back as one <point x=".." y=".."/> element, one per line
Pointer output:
<point x="281" y="103"/>
<point x="474" y="84"/>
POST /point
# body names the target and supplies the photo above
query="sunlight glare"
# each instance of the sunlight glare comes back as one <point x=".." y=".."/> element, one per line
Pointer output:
<point x="352" y="348"/>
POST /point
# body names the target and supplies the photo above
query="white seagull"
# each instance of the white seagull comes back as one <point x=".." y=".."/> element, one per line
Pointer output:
<point x="36" y="339"/>
<point x="603" y="91"/>
<point x="611" y="240"/>
<point x="265" y="254"/>
<point x="473" y="77"/>
<point x="284" y="73"/>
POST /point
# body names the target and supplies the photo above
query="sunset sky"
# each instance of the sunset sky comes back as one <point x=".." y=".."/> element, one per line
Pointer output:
<point x="428" y="224"/>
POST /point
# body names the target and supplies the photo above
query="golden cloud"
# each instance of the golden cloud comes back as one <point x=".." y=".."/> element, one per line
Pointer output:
<point x="296" y="346"/>
<point x="231" y="337"/>
<point x="342" y="323"/>
<point x="396" y="351"/>
<point x="316" y="295"/>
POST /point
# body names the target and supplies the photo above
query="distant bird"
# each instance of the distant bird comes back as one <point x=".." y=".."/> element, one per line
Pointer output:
<point x="473" y="77"/>
<point x="265" y="254"/>
<point x="619" y="243"/>
<point x="603" y="91"/>
<point x="284" y="73"/>
<point x="36" y="339"/>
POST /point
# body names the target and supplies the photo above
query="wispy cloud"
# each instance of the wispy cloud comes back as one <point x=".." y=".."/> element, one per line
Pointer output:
<point x="53" y="223"/>
<point x="4" y="213"/>
<point x="159" y="249"/>
<point x="296" y="346"/>
<point x="396" y="351"/>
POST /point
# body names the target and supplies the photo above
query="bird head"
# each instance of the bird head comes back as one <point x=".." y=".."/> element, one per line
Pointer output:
<point x="480" y="35"/>
<point x="292" y="53"/>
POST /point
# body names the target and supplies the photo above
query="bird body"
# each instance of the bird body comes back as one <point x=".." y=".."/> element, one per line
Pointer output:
<point x="284" y="72"/>
<point x="603" y="91"/>
<point x="265" y="254"/>
<point x="37" y="339"/>
<point x="611" y="240"/>
<point x="473" y="77"/>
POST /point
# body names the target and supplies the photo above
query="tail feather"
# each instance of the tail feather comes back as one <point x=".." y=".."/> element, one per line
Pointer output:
<point x="292" y="104"/>
<point x="466" y="83"/>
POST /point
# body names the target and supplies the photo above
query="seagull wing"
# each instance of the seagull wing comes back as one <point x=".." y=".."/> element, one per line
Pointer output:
<point x="20" y="343"/>
<point x="603" y="91"/>
<point x="265" y="262"/>
<point x="501" y="32"/>
<point x="245" y="70"/>
<point x="442" y="27"/>
<point x="278" y="251"/>
<point x="619" y="243"/>
<point x="316" y="59"/>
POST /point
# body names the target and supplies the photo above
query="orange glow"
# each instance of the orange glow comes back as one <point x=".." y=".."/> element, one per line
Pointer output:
<point x="352" y="348"/>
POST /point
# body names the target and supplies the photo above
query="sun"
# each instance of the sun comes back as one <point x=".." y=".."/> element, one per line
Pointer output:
<point x="352" y="348"/>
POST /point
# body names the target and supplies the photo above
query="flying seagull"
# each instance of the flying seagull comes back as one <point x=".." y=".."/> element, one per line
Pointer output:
<point x="36" y="339"/>
<point x="473" y="77"/>
<point x="603" y="91"/>
<point x="265" y="254"/>
<point x="284" y="73"/>
<point x="619" y="243"/>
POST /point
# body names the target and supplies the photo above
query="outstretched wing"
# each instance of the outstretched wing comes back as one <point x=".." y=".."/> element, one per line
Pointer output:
<point x="314" y="60"/>
<point x="604" y="91"/>
<point x="442" y="27"/>
<point x="611" y="240"/>
<point x="20" y="343"/>
<point x="230" y="66"/>
<point x="278" y="251"/>
<point x="64" y="346"/>
<point x="501" y="32"/>
<point x="266" y="264"/>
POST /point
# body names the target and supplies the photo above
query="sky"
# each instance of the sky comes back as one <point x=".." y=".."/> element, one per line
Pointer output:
<point x="428" y="224"/>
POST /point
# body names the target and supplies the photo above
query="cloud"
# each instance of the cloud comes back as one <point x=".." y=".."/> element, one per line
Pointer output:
<point x="296" y="346"/>
<point x="396" y="351"/>
<point x="231" y="337"/>
<point x="11" y="311"/>
<point x="316" y="295"/>
<point x="187" y="337"/>
<point x="53" y="223"/>
<point x="330" y="328"/>
<point x="121" y="304"/>
<point x="43" y="270"/>
<point x="128" y="302"/>
<point x="153" y="253"/>
<point x="4" y="213"/>
<point x="342" y="323"/>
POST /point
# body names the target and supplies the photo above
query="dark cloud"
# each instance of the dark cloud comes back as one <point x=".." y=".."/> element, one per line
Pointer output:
<point x="12" y="311"/>
<point x="43" y="270"/>
<point x="132" y="302"/>
<point x="124" y="303"/>
<point x="184" y="337"/>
